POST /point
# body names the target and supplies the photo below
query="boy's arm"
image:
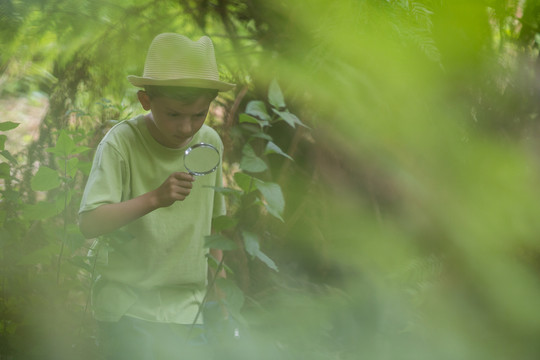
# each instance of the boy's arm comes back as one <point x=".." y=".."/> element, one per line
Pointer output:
<point x="110" y="217"/>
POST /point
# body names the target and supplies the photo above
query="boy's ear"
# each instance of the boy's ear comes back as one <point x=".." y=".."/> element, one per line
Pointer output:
<point x="144" y="99"/>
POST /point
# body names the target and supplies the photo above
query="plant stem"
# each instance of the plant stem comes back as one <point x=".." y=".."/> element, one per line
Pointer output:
<point x="203" y="302"/>
<point x="64" y="230"/>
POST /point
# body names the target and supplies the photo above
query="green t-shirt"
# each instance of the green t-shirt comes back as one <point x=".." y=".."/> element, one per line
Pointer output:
<point x="158" y="273"/>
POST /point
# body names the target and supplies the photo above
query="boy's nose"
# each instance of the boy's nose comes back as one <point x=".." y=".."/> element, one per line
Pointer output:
<point x="185" y="127"/>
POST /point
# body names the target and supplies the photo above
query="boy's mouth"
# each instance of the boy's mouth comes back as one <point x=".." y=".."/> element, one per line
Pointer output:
<point x="182" y="139"/>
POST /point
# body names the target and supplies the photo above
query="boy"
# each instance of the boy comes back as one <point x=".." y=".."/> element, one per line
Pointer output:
<point x="149" y="287"/>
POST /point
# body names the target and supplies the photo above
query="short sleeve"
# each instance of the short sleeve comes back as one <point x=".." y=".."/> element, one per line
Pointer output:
<point x="106" y="179"/>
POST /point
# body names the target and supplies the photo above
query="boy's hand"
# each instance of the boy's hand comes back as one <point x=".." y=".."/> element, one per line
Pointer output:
<point x="109" y="217"/>
<point x="176" y="188"/>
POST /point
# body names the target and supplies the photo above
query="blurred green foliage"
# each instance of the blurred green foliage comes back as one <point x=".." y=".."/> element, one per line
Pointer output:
<point x="410" y="210"/>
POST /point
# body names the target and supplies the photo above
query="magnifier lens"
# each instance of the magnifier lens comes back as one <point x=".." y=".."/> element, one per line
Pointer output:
<point x="201" y="159"/>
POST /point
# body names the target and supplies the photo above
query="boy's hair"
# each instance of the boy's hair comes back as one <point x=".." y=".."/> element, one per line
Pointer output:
<point x="181" y="93"/>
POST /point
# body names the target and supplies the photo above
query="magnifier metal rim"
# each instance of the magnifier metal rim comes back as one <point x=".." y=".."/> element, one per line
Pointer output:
<point x="191" y="148"/>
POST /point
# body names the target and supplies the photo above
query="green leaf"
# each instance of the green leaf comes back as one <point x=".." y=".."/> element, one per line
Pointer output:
<point x="234" y="297"/>
<point x="251" y="243"/>
<point x="265" y="259"/>
<point x="272" y="148"/>
<point x="262" y="135"/>
<point x="245" y="182"/>
<point x="75" y="240"/>
<point x="218" y="241"/>
<point x="257" y="109"/>
<point x="12" y="195"/>
<point x="250" y="161"/>
<point x="225" y="191"/>
<point x="72" y="167"/>
<point x="275" y="203"/>
<point x="82" y="263"/>
<point x="213" y="262"/>
<point x="41" y="210"/>
<point x="244" y="118"/>
<point x="42" y="255"/>
<point x="85" y="167"/>
<point x="65" y="145"/>
<point x="8" y="125"/>
<point x="63" y="200"/>
<point x="223" y="222"/>
<point x="272" y="211"/>
<point x="6" y="154"/>
<point x="4" y="170"/>
<point x="289" y="118"/>
<point x="275" y="96"/>
<point x="80" y="150"/>
<point x="3" y="139"/>
<point x="45" y="179"/>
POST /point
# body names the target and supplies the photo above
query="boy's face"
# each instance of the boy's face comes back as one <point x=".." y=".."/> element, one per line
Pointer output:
<point x="173" y="122"/>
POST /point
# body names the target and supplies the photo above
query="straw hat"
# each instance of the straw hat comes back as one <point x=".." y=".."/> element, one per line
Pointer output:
<point x="175" y="60"/>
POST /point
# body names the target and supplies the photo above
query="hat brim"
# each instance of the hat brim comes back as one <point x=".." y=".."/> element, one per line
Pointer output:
<point x="198" y="83"/>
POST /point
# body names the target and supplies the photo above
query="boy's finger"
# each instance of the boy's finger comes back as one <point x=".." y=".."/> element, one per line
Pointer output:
<point x="183" y="191"/>
<point x="184" y="176"/>
<point x="185" y="184"/>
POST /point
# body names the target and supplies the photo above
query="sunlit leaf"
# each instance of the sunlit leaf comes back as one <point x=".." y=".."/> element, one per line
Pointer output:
<point x="245" y="182"/>
<point x="45" y="179"/>
<point x="257" y="109"/>
<point x="275" y="202"/>
<point x="65" y="145"/>
<point x="265" y="259"/>
<point x="289" y="118"/>
<point x="250" y="161"/>
<point x="72" y="166"/>
<point x="275" y="96"/>
<point x="252" y="246"/>
<point x="272" y="148"/>
<point x="80" y="150"/>
<point x="244" y="118"/>
<point x="85" y="167"/>
<point x="251" y="243"/>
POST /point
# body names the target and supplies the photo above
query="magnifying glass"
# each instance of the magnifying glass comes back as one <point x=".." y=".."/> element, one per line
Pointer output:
<point x="201" y="159"/>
